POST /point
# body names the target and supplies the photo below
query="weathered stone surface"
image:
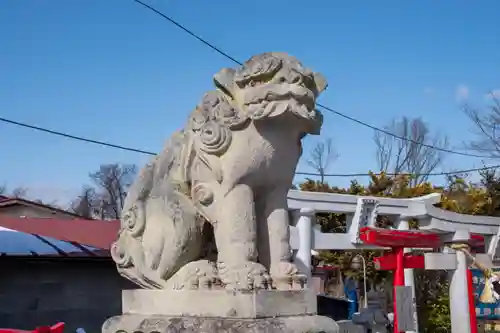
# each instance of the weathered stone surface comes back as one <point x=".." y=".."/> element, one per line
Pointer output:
<point x="220" y="303"/>
<point x="162" y="324"/>
<point x="223" y="180"/>
<point x="224" y="176"/>
<point x="347" y="326"/>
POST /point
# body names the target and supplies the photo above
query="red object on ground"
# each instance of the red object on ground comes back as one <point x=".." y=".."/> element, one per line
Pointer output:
<point x="57" y="328"/>
<point x="96" y="233"/>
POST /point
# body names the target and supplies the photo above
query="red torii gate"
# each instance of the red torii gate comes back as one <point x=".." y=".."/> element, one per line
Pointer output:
<point x="398" y="261"/>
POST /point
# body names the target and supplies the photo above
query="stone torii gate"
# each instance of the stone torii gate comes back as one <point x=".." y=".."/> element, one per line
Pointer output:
<point x="362" y="211"/>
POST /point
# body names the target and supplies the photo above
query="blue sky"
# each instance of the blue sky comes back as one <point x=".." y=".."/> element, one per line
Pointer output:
<point x="114" y="71"/>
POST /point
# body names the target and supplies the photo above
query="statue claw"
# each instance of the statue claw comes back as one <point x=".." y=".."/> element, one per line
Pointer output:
<point x="299" y="281"/>
<point x="247" y="276"/>
<point x="195" y="275"/>
<point x="286" y="277"/>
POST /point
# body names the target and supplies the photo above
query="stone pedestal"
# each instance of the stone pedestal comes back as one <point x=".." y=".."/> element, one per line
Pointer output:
<point x="165" y="324"/>
<point x="219" y="311"/>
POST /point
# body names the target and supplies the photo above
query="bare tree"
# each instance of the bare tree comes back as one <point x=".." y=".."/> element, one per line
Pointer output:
<point x="86" y="203"/>
<point x="321" y="157"/>
<point x="487" y="125"/>
<point x="18" y="192"/>
<point x="22" y="193"/>
<point x="106" y="198"/>
<point x="409" y="156"/>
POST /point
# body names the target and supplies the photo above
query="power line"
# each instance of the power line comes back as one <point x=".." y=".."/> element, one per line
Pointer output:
<point x="74" y="137"/>
<point x="491" y="167"/>
<point x="189" y="32"/>
<point x="445" y="150"/>
<point x="141" y="151"/>
<point x="225" y="54"/>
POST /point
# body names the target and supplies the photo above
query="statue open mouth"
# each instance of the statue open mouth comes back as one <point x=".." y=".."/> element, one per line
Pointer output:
<point x="302" y="96"/>
<point x="275" y="102"/>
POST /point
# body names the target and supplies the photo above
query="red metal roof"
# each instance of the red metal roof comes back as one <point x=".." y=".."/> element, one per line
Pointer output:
<point x="80" y="233"/>
<point x="95" y="233"/>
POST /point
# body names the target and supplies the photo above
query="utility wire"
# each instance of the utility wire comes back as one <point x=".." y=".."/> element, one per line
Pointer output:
<point x="491" y="167"/>
<point x="141" y="151"/>
<point x="74" y="137"/>
<point x="445" y="150"/>
<point x="189" y="32"/>
<point x="225" y="54"/>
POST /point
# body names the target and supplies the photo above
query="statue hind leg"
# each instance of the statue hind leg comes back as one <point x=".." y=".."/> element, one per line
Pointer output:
<point x="163" y="253"/>
<point x="182" y="265"/>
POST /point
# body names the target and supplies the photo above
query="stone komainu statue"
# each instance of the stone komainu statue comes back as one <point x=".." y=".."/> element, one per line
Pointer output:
<point x="226" y="174"/>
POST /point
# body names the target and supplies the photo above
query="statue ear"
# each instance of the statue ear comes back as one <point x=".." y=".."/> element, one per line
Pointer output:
<point x="224" y="80"/>
<point x="320" y="81"/>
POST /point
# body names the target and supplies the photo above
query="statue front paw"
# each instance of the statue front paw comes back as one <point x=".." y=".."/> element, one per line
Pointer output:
<point x="244" y="276"/>
<point x="286" y="276"/>
<point x="200" y="274"/>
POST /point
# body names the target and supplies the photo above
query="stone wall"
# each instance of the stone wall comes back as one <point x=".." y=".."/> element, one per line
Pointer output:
<point x="80" y="292"/>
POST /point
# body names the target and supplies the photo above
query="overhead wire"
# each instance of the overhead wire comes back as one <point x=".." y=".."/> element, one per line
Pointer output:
<point x="218" y="50"/>
<point x="142" y="151"/>
<point x="329" y="109"/>
<point x="74" y="137"/>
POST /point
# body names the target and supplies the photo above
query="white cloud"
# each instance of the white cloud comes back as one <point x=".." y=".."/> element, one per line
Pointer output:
<point x="428" y="91"/>
<point x="462" y="93"/>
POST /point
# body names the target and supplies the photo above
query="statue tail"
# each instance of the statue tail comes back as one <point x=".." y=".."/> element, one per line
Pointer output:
<point x="161" y="230"/>
<point x="150" y="253"/>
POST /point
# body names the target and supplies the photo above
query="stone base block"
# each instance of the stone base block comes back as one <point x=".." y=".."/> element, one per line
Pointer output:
<point x="220" y="303"/>
<point x="133" y="323"/>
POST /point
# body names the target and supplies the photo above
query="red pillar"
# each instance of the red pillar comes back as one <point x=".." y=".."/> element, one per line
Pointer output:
<point x="399" y="280"/>
<point x="472" y="305"/>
